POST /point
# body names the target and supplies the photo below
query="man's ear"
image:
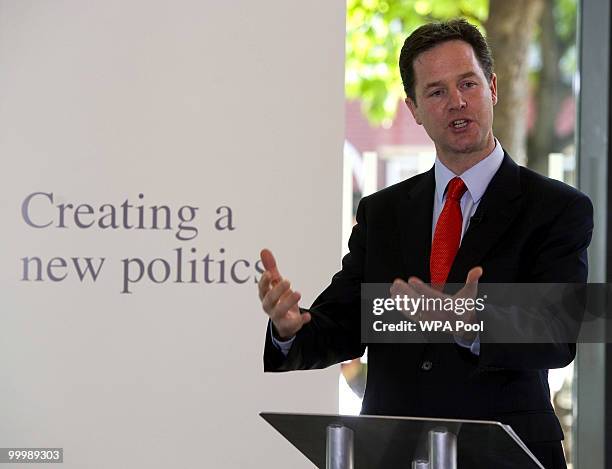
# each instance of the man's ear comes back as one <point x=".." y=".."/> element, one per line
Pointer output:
<point x="413" y="109"/>
<point x="493" y="88"/>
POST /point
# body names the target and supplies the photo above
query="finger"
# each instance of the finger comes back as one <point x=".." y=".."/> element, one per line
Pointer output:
<point x="274" y="294"/>
<point x="415" y="281"/>
<point x="474" y="275"/>
<point x="269" y="263"/>
<point x="399" y="287"/>
<point x="263" y="285"/>
<point x="471" y="283"/>
<point x="284" y="296"/>
<point x="287" y="302"/>
<point x="423" y="289"/>
<point x="306" y="317"/>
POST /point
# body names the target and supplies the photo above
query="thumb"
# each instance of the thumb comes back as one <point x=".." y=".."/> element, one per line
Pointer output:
<point x="269" y="263"/>
<point x="471" y="282"/>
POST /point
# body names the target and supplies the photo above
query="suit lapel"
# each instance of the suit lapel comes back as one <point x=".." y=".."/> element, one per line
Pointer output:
<point x="499" y="206"/>
<point x="415" y="214"/>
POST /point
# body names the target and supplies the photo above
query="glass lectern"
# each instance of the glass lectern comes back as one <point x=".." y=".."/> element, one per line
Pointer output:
<point x="374" y="442"/>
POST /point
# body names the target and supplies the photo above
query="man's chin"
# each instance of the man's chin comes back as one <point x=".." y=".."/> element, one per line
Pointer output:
<point x="468" y="150"/>
<point x="467" y="147"/>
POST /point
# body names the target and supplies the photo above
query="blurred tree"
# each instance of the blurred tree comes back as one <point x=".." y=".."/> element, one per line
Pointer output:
<point x="552" y="79"/>
<point x="376" y="30"/>
<point x="510" y="29"/>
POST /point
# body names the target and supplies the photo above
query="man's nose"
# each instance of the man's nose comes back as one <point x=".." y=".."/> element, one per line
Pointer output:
<point x="456" y="100"/>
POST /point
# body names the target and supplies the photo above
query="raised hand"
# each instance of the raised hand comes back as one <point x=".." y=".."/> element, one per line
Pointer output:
<point x="415" y="288"/>
<point x="278" y="300"/>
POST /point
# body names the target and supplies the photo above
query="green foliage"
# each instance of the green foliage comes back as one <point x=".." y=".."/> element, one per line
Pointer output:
<point x="565" y="20"/>
<point x="376" y="30"/>
<point x="565" y="29"/>
<point x="565" y="12"/>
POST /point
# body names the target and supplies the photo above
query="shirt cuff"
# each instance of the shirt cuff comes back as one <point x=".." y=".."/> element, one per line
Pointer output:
<point x="474" y="345"/>
<point x="283" y="345"/>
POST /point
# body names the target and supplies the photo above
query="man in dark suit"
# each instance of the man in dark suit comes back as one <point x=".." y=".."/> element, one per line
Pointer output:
<point x="475" y="217"/>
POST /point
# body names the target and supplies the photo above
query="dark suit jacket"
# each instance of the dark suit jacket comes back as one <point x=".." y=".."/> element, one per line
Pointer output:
<point x="530" y="229"/>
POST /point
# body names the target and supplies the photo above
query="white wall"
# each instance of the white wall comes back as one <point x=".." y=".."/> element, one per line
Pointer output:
<point x="200" y="103"/>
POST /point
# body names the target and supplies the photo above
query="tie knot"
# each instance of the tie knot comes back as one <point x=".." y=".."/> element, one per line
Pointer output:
<point x="456" y="188"/>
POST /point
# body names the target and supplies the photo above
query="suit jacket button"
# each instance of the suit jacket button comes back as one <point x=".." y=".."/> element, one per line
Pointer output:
<point x="426" y="365"/>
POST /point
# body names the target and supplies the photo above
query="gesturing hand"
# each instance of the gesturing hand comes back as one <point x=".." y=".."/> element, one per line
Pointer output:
<point x="278" y="300"/>
<point x="416" y="288"/>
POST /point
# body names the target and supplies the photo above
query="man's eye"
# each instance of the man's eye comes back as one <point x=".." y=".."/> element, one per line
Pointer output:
<point x="469" y="84"/>
<point x="436" y="93"/>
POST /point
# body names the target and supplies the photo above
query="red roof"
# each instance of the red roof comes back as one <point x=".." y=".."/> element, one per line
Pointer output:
<point x="364" y="137"/>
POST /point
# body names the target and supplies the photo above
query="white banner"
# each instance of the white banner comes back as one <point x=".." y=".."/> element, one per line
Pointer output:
<point x="150" y="149"/>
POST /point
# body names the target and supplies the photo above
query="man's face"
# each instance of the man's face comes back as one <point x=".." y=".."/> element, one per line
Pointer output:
<point x="454" y="101"/>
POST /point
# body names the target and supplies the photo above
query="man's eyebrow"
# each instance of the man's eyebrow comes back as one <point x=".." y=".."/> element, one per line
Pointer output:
<point x="433" y="84"/>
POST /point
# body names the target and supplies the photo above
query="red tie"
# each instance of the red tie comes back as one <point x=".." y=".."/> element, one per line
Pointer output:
<point x="447" y="235"/>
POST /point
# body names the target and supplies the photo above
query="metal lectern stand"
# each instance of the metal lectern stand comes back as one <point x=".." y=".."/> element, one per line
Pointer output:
<point x="372" y="442"/>
<point x="339" y="447"/>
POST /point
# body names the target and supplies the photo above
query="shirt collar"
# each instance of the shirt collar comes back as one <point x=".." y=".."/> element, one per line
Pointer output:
<point x="476" y="179"/>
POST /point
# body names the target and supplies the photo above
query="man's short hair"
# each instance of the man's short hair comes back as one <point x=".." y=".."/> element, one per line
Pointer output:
<point x="430" y="35"/>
